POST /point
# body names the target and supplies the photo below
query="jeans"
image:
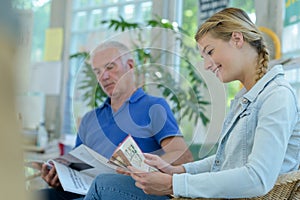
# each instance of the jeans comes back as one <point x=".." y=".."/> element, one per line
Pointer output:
<point x="117" y="187"/>
<point x="56" y="194"/>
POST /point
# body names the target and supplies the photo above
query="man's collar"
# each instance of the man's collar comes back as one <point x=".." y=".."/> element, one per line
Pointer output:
<point x="139" y="93"/>
<point x="105" y="103"/>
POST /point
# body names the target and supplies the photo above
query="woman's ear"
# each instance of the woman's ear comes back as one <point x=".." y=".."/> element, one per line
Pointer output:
<point x="237" y="39"/>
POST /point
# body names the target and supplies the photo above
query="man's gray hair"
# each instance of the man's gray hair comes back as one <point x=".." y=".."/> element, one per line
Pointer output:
<point x="124" y="51"/>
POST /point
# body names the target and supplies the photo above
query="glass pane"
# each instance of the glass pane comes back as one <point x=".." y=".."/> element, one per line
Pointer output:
<point x="80" y="4"/>
<point x="112" y="13"/>
<point x="147" y="10"/>
<point x="73" y="45"/>
<point x="96" y="18"/>
<point x="97" y="2"/>
<point x="40" y="24"/>
<point x="77" y="44"/>
<point x="129" y="12"/>
<point x="112" y="1"/>
<point x="248" y="6"/>
<point x="80" y="22"/>
<point x="290" y="38"/>
<point x="190" y="17"/>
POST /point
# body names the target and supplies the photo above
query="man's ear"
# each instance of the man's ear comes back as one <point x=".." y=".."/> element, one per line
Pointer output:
<point x="237" y="39"/>
<point x="130" y="63"/>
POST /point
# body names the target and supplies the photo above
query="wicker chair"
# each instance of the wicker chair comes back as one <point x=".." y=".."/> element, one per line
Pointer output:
<point x="287" y="187"/>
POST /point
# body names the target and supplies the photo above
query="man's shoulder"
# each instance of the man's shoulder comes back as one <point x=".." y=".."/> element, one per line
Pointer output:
<point x="153" y="99"/>
<point x="92" y="113"/>
<point x="96" y="110"/>
<point x="141" y="96"/>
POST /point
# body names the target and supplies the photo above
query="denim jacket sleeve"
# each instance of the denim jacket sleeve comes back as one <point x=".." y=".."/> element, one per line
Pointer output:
<point x="199" y="166"/>
<point x="276" y="119"/>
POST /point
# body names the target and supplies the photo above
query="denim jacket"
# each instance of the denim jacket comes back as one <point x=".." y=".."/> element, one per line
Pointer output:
<point x="260" y="139"/>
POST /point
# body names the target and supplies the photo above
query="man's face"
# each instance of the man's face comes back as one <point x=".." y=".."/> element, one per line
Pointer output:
<point x="109" y="69"/>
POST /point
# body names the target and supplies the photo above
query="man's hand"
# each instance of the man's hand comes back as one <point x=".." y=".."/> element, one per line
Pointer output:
<point x="50" y="175"/>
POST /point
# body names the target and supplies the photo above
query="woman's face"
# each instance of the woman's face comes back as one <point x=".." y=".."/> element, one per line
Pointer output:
<point x="222" y="57"/>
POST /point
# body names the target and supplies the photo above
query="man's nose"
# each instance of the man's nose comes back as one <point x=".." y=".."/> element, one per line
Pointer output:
<point x="104" y="75"/>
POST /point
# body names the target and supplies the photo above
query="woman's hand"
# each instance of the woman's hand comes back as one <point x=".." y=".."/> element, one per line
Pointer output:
<point x="121" y="170"/>
<point x="163" y="166"/>
<point x="156" y="183"/>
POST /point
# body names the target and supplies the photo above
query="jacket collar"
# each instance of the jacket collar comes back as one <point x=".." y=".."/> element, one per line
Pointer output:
<point x="261" y="84"/>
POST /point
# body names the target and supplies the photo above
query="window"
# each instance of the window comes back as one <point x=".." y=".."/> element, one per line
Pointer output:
<point x="291" y="29"/>
<point x="41" y="20"/>
<point x="291" y="39"/>
<point x="34" y="18"/>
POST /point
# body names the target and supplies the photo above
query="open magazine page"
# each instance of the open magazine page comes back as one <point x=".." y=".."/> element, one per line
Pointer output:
<point x="99" y="163"/>
<point x="72" y="180"/>
<point x="129" y="154"/>
<point x="74" y="174"/>
<point x="77" y="169"/>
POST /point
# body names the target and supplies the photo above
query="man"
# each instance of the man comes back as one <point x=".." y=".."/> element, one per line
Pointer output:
<point x="127" y="110"/>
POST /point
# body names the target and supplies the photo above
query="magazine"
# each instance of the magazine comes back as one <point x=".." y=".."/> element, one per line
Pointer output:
<point x="77" y="169"/>
<point x="128" y="153"/>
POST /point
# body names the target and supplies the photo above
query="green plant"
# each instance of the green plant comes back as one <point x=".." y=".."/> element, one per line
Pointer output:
<point x="186" y="99"/>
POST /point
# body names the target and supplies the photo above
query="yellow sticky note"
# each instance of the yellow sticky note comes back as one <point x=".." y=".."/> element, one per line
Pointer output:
<point x="53" y="44"/>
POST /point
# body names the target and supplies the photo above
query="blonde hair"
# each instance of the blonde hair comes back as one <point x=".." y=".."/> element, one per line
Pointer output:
<point x="222" y="24"/>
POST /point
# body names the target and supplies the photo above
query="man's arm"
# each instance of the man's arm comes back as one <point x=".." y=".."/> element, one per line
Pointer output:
<point x="176" y="151"/>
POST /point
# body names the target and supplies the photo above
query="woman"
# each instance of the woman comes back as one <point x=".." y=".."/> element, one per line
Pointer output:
<point x="260" y="135"/>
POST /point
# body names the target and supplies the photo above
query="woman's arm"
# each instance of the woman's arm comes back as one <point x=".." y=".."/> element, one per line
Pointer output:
<point x="276" y="120"/>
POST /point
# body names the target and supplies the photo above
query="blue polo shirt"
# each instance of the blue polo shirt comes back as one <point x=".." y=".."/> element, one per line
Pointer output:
<point x="148" y="119"/>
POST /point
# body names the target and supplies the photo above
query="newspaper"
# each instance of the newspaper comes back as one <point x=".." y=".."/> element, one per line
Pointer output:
<point x="77" y="169"/>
